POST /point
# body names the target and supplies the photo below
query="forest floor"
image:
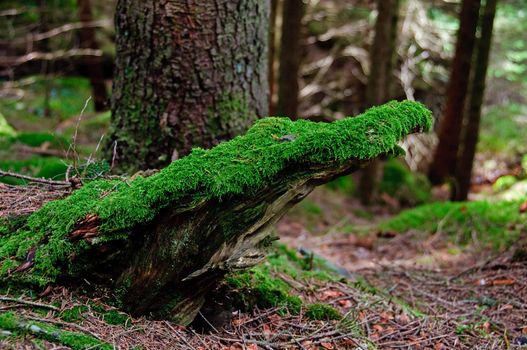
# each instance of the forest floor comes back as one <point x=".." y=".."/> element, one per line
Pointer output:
<point x="439" y="278"/>
<point x="410" y="290"/>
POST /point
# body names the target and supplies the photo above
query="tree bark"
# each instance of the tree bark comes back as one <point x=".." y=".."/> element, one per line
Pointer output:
<point x="473" y="114"/>
<point x="288" y="87"/>
<point x="382" y="56"/>
<point x="162" y="242"/>
<point x="187" y="74"/>
<point x="444" y="163"/>
<point x="92" y="67"/>
<point x="272" y="54"/>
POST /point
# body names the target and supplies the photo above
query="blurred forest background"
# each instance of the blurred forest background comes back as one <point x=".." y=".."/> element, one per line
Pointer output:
<point x="329" y="59"/>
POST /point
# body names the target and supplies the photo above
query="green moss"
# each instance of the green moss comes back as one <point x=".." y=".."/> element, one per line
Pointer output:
<point x="5" y="129"/>
<point x="74" y="314"/>
<point x="258" y="287"/>
<point x="407" y="187"/>
<point x="232" y="116"/>
<point x="244" y="165"/>
<point x="264" y="287"/>
<point x="310" y="207"/>
<point x="497" y="224"/>
<point x="504" y="183"/>
<point x="343" y="184"/>
<point x="116" y="318"/>
<point x="9" y="321"/>
<point x="322" y="312"/>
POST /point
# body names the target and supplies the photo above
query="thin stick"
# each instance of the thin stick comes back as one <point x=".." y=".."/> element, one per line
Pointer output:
<point x="30" y="303"/>
<point x="34" y="179"/>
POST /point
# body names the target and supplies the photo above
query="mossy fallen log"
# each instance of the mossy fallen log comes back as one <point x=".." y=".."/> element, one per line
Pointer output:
<point x="163" y="241"/>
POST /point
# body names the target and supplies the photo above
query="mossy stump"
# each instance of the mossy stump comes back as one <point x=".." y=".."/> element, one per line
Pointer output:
<point x="162" y="242"/>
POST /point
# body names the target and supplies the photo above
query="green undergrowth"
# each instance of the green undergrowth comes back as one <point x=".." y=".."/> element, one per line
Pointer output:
<point x="49" y="97"/>
<point x="111" y="316"/>
<point x="14" y="325"/>
<point x="264" y="285"/>
<point x="495" y="224"/>
<point x="241" y="166"/>
<point x="402" y="184"/>
<point x="503" y="130"/>
<point x="41" y="167"/>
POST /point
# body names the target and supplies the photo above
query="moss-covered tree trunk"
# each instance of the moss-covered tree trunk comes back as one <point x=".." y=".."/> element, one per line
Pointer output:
<point x="444" y="163"/>
<point x="475" y="101"/>
<point x="187" y="74"/>
<point x="162" y="242"/>
<point x="382" y="56"/>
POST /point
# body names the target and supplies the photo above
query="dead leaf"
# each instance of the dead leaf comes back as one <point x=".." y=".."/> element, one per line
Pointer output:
<point x="326" y="345"/>
<point x="330" y="294"/>
<point x="523" y="207"/>
<point x="378" y="328"/>
<point x="266" y="331"/>
<point x="439" y="346"/>
<point x="252" y="346"/>
<point x="345" y="303"/>
<point x="402" y="319"/>
<point x="386" y="316"/>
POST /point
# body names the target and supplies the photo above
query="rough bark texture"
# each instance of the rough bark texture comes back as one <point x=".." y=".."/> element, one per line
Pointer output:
<point x="163" y="241"/>
<point x="292" y="13"/>
<point x="92" y="67"/>
<point x="382" y="57"/>
<point x="473" y="113"/>
<point x="445" y="157"/>
<point x="187" y="74"/>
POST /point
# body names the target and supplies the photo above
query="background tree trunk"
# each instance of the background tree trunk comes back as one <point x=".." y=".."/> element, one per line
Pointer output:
<point x="92" y="67"/>
<point x="445" y="157"/>
<point x="290" y="54"/>
<point x="473" y="112"/>
<point x="187" y="74"/>
<point x="272" y="54"/>
<point x="382" y="56"/>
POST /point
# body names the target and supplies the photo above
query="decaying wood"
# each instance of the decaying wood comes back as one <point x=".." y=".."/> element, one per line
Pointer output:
<point x="163" y="242"/>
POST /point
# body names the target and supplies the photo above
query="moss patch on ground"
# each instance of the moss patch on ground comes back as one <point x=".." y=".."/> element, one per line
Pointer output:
<point x="497" y="224"/>
<point x="264" y="285"/>
<point x="244" y="165"/>
<point x="15" y="325"/>
<point x="322" y="312"/>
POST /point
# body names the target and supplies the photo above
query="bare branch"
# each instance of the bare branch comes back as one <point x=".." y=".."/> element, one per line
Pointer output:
<point x="48" y="56"/>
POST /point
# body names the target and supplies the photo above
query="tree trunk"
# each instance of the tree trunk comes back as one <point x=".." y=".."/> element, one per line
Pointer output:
<point x="162" y="242"/>
<point x="187" y="74"/>
<point x="92" y="67"/>
<point x="382" y="58"/>
<point x="272" y="54"/>
<point x="288" y="88"/>
<point x="473" y="114"/>
<point x="444" y="162"/>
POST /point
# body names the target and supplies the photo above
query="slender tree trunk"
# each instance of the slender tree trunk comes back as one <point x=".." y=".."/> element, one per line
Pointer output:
<point x="473" y="113"/>
<point x="288" y="88"/>
<point x="92" y="67"/>
<point x="272" y="53"/>
<point x="188" y="73"/>
<point x="445" y="156"/>
<point x="46" y="68"/>
<point x="382" y="58"/>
